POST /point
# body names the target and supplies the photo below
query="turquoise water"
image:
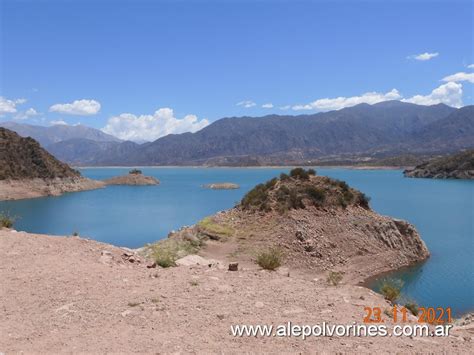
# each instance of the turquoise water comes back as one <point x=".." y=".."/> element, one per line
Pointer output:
<point x="441" y="210"/>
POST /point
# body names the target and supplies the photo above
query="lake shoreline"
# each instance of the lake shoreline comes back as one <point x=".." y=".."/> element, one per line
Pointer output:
<point x="350" y="167"/>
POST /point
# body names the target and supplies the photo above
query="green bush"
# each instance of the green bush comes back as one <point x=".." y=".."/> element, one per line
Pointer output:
<point x="334" y="277"/>
<point x="256" y="197"/>
<point x="135" y="172"/>
<point x="284" y="177"/>
<point x="363" y="200"/>
<point x="6" y="220"/>
<point x="412" y="307"/>
<point x="271" y="183"/>
<point x="270" y="259"/>
<point x="318" y="196"/>
<point x="391" y="289"/>
<point x="299" y="173"/>
<point x="166" y="252"/>
<point x="311" y="172"/>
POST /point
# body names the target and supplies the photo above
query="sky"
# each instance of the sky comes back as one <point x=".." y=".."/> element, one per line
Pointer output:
<point x="142" y="69"/>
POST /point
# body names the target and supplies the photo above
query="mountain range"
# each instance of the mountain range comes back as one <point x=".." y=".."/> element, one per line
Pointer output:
<point x="359" y="132"/>
<point x="58" y="133"/>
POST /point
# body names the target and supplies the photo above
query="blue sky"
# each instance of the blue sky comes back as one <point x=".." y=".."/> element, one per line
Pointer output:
<point x="115" y="64"/>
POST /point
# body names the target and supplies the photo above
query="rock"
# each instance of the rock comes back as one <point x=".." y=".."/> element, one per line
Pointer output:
<point x="193" y="259"/>
<point x="284" y="271"/>
<point x="233" y="266"/>
<point x="151" y="266"/>
<point x="259" y="304"/>
<point x="299" y="236"/>
<point x="222" y="186"/>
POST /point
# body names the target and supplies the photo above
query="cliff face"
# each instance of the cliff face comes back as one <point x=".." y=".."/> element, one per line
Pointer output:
<point x="23" y="158"/>
<point x="321" y="225"/>
<point x="27" y="170"/>
<point x="457" y="166"/>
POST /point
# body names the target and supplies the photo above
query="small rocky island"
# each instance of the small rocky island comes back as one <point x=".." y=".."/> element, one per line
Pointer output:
<point x="457" y="166"/>
<point x="222" y="186"/>
<point x="319" y="224"/>
<point x="134" y="177"/>
<point x="27" y="170"/>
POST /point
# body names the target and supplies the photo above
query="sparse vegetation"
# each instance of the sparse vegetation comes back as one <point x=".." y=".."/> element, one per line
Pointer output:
<point x="133" y="304"/>
<point x="391" y="289"/>
<point x="75" y="234"/>
<point x="166" y="252"/>
<point x="298" y="190"/>
<point x="270" y="259"/>
<point x="6" y="220"/>
<point x="210" y="225"/>
<point x="363" y="200"/>
<point x="194" y="283"/>
<point x="334" y="278"/>
<point x="412" y="307"/>
<point x="135" y="172"/>
<point x="300" y="173"/>
<point x="318" y="196"/>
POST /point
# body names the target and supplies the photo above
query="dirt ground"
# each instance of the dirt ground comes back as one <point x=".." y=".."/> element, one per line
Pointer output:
<point x="67" y="294"/>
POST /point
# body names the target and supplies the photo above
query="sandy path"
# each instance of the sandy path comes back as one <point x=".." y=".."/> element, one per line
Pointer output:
<point x="62" y="295"/>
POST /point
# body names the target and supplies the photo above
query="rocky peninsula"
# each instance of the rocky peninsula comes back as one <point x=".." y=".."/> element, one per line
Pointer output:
<point x="319" y="224"/>
<point x="28" y="171"/>
<point x="457" y="166"/>
<point x="134" y="177"/>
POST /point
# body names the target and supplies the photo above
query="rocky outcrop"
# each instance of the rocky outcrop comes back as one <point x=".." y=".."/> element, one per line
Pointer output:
<point x="27" y="170"/>
<point x="458" y="166"/>
<point x="321" y="224"/>
<point x="132" y="178"/>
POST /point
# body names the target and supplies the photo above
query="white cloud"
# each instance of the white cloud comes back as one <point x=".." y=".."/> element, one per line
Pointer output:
<point x="461" y="76"/>
<point x="9" y="106"/>
<point x="128" y="126"/>
<point x="246" y="103"/>
<point x="471" y="66"/>
<point x="424" y="56"/>
<point x="341" y="102"/>
<point x="78" y="107"/>
<point x="60" y="122"/>
<point x="449" y="94"/>
<point x="269" y="105"/>
<point x="27" y="114"/>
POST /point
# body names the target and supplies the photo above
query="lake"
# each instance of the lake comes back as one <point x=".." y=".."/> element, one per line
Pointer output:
<point x="441" y="210"/>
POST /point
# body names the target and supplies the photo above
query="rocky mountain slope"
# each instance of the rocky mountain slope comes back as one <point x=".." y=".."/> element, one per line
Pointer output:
<point x="457" y="166"/>
<point x="23" y="158"/>
<point x="384" y="129"/>
<point x="319" y="224"/>
<point x="27" y="170"/>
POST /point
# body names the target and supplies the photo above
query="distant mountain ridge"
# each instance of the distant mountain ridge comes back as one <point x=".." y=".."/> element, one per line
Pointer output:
<point x="384" y="129"/>
<point x="57" y="133"/>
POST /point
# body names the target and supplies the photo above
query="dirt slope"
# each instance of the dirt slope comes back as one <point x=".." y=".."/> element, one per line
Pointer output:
<point x="62" y="294"/>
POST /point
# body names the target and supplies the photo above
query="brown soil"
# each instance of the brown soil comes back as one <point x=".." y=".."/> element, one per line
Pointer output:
<point x="62" y="294"/>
